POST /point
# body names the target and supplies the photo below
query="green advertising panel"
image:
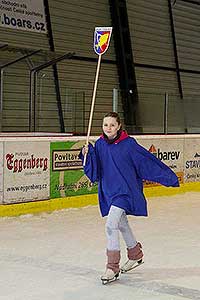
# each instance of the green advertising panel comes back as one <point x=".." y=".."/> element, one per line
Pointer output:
<point x="67" y="177"/>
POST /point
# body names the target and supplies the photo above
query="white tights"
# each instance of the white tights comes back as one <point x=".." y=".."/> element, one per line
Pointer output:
<point x="117" y="221"/>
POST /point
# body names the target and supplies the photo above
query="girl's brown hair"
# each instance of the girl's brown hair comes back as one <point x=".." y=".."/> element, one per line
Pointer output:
<point x="113" y="115"/>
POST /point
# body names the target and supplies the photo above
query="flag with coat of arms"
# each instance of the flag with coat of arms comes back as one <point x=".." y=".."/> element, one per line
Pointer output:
<point x="102" y="37"/>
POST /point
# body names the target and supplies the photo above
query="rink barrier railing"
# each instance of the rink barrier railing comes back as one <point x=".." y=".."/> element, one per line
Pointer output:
<point x="20" y="152"/>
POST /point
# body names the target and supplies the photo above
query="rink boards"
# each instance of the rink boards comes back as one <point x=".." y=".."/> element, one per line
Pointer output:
<point x="42" y="172"/>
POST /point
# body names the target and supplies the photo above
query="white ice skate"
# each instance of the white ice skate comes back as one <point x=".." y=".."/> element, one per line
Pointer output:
<point x="131" y="264"/>
<point x="109" y="276"/>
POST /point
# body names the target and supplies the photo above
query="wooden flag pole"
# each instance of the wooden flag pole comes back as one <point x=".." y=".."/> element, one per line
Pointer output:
<point x="92" y="106"/>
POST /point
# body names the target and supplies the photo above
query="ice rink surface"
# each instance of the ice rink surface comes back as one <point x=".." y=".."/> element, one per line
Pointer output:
<point x="61" y="256"/>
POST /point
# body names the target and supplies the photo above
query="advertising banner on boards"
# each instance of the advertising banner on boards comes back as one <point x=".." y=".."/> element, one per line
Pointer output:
<point x="192" y="160"/>
<point x="23" y="15"/>
<point x="67" y="177"/>
<point x="169" y="151"/>
<point x="1" y="172"/>
<point x="26" y="171"/>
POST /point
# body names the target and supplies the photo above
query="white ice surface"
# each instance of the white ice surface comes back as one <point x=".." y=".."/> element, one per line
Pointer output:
<point x="61" y="256"/>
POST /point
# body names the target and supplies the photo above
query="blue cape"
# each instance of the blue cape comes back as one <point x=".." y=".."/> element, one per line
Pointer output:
<point x="119" y="169"/>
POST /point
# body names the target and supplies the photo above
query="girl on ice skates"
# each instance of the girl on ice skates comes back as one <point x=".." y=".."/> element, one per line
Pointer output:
<point x="119" y="165"/>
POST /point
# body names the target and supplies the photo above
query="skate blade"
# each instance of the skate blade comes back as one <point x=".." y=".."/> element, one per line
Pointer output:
<point x="106" y="281"/>
<point x="139" y="263"/>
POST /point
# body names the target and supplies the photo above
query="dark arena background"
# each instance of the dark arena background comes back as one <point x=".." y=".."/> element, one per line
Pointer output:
<point x="150" y="75"/>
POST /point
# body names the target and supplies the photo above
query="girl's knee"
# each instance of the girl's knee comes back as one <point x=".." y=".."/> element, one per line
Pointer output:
<point x="112" y="225"/>
<point x="123" y="225"/>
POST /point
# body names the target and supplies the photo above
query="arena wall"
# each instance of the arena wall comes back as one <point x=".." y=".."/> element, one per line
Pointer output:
<point x="73" y="24"/>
